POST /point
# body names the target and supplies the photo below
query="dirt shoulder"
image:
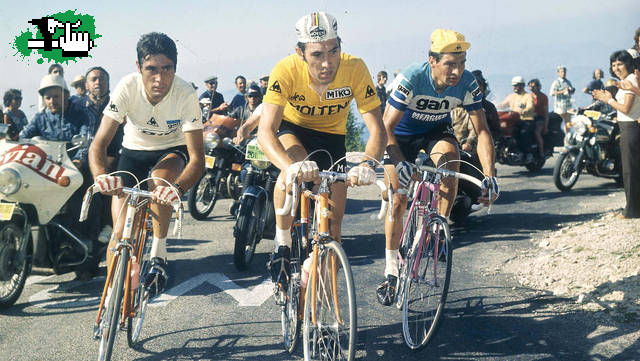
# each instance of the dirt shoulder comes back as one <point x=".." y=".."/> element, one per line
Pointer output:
<point x="595" y="264"/>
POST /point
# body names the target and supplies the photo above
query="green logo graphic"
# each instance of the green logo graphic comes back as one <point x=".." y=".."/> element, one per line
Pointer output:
<point x="59" y="37"/>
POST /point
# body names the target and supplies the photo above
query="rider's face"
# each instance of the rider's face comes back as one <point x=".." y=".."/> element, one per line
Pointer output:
<point x="53" y="98"/>
<point x="157" y="73"/>
<point x="322" y="59"/>
<point x="448" y="71"/>
<point x="97" y="84"/>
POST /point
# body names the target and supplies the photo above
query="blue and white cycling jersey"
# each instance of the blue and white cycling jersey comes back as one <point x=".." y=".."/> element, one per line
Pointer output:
<point x="413" y="92"/>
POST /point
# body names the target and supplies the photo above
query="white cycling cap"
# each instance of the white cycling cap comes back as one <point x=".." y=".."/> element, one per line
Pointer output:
<point x="316" y="27"/>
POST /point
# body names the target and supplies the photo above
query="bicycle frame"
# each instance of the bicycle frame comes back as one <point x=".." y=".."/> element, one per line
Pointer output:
<point x="135" y="243"/>
<point x="424" y="189"/>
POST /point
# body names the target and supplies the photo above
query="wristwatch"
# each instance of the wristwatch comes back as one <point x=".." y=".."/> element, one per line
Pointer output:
<point x="369" y="163"/>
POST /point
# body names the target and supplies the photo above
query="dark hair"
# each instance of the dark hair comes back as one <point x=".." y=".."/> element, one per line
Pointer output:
<point x="157" y="44"/>
<point x="438" y="56"/>
<point x="635" y="39"/>
<point x="479" y="77"/>
<point x="624" y="57"/>
<point x="594" y="72"/>
<point x="240" y="77"/>
<point x="11" y="94"/>
<point x="536" y="82"/>
<point x="303" y="46"/>
<point x="382" y="73"/>
<point x="99" y="68"/>
<point x="53" y="66"/>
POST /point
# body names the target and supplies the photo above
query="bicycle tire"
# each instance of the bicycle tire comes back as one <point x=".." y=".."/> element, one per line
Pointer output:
<point x="113" y="311"/>
<point x="289" y="316"/>
<point x="141" y="295"/>
<point x="423" y="307"/>
<point x="330" y="339"/>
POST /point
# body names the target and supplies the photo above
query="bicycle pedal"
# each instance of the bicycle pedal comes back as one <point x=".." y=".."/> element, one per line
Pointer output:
<point x="279" y="295"/>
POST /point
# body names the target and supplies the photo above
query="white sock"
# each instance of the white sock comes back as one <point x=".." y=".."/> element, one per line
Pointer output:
<point x="283" y="237"/>
<point x="391" y="264"/>
<point x="159" y="248"/>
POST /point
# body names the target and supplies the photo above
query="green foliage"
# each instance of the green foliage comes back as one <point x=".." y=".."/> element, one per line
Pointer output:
<point x="353" y="139"/>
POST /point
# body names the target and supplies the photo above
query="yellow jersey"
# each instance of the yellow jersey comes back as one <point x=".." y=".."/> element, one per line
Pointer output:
<point x="289" y="86"/>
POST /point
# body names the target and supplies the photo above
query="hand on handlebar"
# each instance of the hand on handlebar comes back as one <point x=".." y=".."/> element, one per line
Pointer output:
<point x="165" y="195"/>
<point x="109" y="184"/>
<point x="361" y="176"/>
<point x="305" y="171"/>
<point x="490" y="191"/>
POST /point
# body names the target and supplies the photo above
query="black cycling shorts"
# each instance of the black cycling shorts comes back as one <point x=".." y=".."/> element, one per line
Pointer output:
<point x="410" y="145"/>
<point x="314" y="140"/>
<point x="142" y="162"/>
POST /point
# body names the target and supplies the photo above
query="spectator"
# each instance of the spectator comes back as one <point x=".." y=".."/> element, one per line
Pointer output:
<point x="636" y="40"/>
<point x="79" y="85"/>
<point x="218" y="105"/>
<point x="12" y="114"/>
<point x="521" y="102"/>
<point x="491" y="113"/>
<point x="239" y="99"/>
<point x="56" y="69"/>
<point x="561" y="91"/>
<point x="264" y="81"/>
<point x="540" y="113"/>
<point x="464" y="130"/>
<point x="254" y="98"/>
<point x="627" y="103"/>
<point x="596" y="83"/>
<point x="381" y="90"/>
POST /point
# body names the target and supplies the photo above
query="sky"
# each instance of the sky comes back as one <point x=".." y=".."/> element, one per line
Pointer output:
<point x="228" y="38"/>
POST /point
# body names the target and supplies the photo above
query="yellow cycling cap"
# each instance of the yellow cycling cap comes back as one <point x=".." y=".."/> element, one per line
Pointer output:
<point x="448" y="41"/>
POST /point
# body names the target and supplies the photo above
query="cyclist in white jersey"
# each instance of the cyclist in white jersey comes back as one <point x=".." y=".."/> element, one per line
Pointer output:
<point x="162" y="137"/>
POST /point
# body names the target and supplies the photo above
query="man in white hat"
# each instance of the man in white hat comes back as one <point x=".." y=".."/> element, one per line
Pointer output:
<point x="522" y="103"/>
<point x="418" y="116"/>
<point x="216" y="100"/>
<point x="79" y="85"/>
<point x="305" y="108"/>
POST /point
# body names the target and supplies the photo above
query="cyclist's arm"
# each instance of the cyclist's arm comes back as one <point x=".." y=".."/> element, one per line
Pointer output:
<point x="194" y="168"/>
<point x="98" y="148"/>
<point x="377" y="135"/>
<point x="485" y="142"/>
<point x="269" y="124"/>
<point x="391" y="118"/>
<point x="248" y="126"/>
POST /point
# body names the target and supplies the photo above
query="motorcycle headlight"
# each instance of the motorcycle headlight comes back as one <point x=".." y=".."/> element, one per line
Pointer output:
<point x="260" y="164"/>
<point x="10" y="181"/>
<point x="580" y="128"/>
<point x="211" y="141"/>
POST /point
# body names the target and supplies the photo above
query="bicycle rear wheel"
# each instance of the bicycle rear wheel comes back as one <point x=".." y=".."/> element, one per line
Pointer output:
<point x="333" y="336"/>
<point x="111" y="317"/>
<point x="141" y="295"/>
<point x="426" y="284"/>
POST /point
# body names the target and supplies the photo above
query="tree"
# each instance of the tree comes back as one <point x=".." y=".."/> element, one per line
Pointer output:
<point x="353" y="139"/>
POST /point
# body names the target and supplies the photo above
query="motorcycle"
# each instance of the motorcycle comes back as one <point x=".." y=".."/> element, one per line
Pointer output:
<point x="466" y="200"/>
<point x="509" y="152"/>
<point x="256" y="218"/>
<point x="37" y="179"/>
<point x="223" y="162"/>
<point x="592" y="143"/>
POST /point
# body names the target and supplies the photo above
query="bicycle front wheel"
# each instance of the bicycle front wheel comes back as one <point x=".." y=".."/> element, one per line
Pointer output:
<point x="333" y="335"/>
<point x="111" y="317"/>
<point x="289" y="316"/>
<point x="426" y="283"/>
<point x="140" y="295"/>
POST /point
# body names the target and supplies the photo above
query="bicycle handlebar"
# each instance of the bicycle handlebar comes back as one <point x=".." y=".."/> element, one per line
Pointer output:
<point x="450" y="173"/>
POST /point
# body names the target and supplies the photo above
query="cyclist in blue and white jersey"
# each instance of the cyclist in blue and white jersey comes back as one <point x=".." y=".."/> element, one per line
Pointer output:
<point x="418" y="116"/>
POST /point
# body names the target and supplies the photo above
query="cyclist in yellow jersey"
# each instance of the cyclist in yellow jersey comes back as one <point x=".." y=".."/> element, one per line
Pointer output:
<point x="305" y="108"/>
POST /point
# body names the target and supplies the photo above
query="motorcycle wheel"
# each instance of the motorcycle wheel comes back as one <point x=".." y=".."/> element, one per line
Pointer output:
<point x="14" y="267"/>
<point x="246" y="233"/>
<point x="203" y="197"/>
<point x="536" y="166"/>
<point x="234" y="185"/>
<point x="564" y="174"/>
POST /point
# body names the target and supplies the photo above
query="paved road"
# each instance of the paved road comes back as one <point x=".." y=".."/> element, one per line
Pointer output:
<point x="214" y="312"/>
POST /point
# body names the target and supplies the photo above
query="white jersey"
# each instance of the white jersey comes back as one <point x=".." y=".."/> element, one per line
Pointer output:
<point x="154" y="127"/>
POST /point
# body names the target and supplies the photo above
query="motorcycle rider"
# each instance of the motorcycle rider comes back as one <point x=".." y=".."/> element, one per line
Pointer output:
<point x="541" y="114"/>
<point x="418" y="117"/>
<point x="162" y="136"/>
<point x="521" y="102"/>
